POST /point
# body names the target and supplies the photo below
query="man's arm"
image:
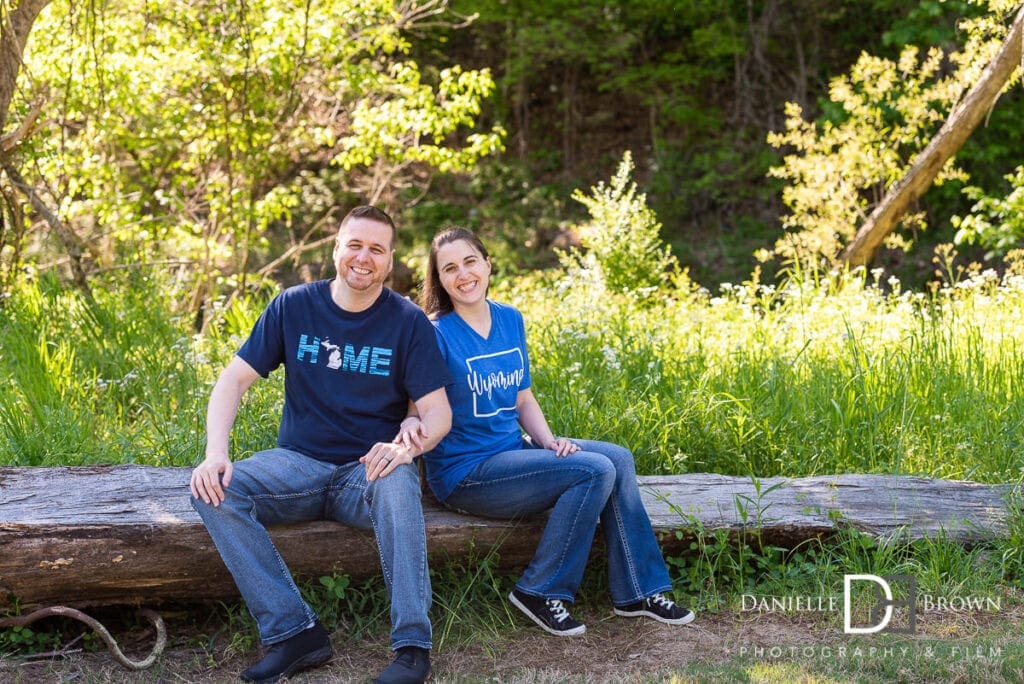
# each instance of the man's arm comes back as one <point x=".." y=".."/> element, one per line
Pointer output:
<point x="234" y="380"/>
<point x="435" y="415"/>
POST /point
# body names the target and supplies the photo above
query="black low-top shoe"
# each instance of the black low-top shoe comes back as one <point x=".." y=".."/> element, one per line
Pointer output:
<point x="550" y="614"/>
<point x="657" y="607"/>
<point x="410" y="666"/>
<point x="307" y="649"/>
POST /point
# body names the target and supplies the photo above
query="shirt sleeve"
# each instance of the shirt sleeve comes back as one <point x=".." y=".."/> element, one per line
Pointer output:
<point x="527" y="382"/>
<point x="426" y="370"/>
<point x="264" y="350"/>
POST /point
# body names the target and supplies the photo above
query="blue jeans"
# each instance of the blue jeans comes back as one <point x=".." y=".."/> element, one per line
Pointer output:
<point x="278" y="487"/>
<point x="598" y="482"/>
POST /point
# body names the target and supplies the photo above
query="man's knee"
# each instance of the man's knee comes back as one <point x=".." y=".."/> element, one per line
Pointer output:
<point x="401" y="483"/>
<point x="403" y="480"/>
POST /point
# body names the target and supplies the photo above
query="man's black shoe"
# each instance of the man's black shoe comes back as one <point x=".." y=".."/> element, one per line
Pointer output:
<point x="410" y="666"/>
<point x="308" y="648"/>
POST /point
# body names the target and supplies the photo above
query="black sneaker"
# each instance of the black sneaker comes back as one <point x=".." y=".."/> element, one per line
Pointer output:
<point x="551" y="614"/>
<point x="659" y="607"/>
<point x="308" y="648"/>
<point x="410" y="666"/>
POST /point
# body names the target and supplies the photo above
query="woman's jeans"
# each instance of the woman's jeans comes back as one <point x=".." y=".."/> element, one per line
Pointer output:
<point x="596" y="482"/>
<point x="278" y="487"/>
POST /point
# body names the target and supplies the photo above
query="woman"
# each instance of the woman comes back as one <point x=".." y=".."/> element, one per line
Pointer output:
<point x="485" y="467"/>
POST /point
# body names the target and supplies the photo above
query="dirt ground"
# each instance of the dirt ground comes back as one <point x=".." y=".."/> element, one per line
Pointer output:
<point x="612" y="650"/>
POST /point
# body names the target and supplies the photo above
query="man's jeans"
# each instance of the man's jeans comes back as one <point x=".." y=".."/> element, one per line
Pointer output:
<point x="277" y="487"/>
<point x="596" y="482"/>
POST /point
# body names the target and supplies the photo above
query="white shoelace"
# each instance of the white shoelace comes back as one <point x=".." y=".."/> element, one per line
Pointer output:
<point x="557" y="609"/>
<point x="661" y="599"/>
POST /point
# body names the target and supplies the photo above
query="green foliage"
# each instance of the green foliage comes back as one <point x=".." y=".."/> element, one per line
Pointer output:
<point x="203" y="133"/>
<point x="1011" y="550"/>
<point x="27" y="639"/>
<point x="462" y="585"/>
<point x="879" y="116"/>
<point x="996" y="223"/>
<point x="718" y="564"/>
<point x="803" y="379"/>
<point x="884" y="112"/>
<point x="623" y="249"/>
<point x="353" y="608"/>
<point x="112" y="380"/>
<point x="931" y="22"/>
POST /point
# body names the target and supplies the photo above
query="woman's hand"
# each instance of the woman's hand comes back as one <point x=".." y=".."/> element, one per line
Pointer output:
<point x="563" y="446"/>
<point x="411" y="434"/>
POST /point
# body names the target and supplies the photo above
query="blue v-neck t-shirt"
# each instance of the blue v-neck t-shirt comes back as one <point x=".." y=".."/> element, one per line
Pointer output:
<point x="488" y="374"/>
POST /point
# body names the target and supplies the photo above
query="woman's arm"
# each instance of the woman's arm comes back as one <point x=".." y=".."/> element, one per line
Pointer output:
<point x="532" y="419"/>
<point x="412" y="431"/>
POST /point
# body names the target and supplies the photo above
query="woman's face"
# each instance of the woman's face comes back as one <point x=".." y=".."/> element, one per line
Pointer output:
<point x="464" y="272"/>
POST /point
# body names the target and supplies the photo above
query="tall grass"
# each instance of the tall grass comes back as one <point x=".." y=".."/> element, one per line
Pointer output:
<point x="810" y="378"/>
<point x="115" y="380"/>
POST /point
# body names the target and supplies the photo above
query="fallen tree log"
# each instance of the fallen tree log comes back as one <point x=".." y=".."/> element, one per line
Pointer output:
<point x="127" y="534"/>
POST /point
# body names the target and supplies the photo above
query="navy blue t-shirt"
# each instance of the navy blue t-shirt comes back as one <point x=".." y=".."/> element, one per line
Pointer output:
<point x="348" y="376"/>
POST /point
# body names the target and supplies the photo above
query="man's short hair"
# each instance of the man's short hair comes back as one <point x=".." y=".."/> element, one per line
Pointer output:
<point x="366" y="211"/>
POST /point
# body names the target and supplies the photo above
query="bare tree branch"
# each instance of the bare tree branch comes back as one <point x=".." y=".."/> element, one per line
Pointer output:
<point x="71" y="242"/>
<point x="115" y="650"/>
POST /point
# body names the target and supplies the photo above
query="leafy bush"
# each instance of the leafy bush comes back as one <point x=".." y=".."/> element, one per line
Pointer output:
<point x="996" y="223"/>
<point x="623" y="251"/>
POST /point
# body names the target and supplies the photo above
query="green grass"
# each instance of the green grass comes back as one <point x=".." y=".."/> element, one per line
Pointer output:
<point x="113" y="381"/>
<point x="811" y="378"/>
<point x="805" y="380"/>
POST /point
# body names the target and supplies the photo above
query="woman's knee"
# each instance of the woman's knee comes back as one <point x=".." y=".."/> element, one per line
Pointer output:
<point x="619" y="456"/>
<point x="601" y="469"/>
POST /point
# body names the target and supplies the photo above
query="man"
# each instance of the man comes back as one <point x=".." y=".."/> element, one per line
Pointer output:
<point x="355" y="355"/>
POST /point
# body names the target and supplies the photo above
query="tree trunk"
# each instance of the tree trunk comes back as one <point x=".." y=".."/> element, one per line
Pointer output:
<point x="964" y="118"/>
<point x="15" y="25"/>
<point x="128" y="534"/>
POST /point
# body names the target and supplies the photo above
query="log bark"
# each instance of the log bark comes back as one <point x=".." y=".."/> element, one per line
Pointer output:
<point x="964" y="118"/>
<point x="128" y="534"/>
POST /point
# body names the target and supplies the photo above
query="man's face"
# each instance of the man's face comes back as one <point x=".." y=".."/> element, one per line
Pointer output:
<point x="363" y="254"/>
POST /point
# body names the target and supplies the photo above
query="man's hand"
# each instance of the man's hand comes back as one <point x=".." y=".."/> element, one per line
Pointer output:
<point x="383" y="458"/>
<point x="210" y="477"/>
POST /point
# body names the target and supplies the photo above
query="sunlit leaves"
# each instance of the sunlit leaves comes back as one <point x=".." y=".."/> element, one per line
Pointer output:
<point x="879" y="117"/>
<point x="996" y="223"/>
<point x="624" y="252"/>
<point x="414" y="124"/>
<point x="188" y="128"/>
